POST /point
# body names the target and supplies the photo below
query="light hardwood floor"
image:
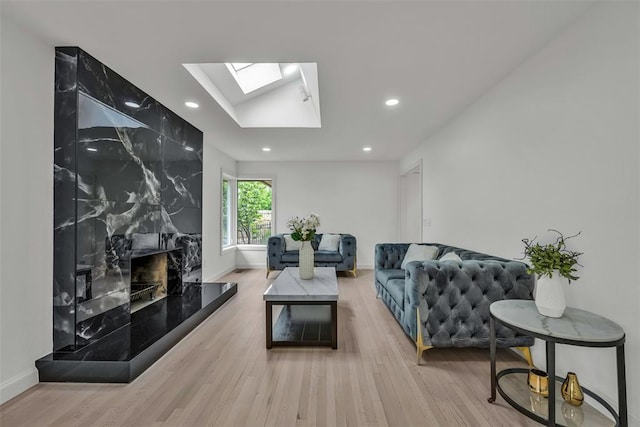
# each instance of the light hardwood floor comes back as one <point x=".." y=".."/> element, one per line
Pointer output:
<point x="221" y="374"/>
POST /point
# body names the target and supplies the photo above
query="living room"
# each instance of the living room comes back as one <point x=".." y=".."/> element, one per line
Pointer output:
<point x="545" y="137"/>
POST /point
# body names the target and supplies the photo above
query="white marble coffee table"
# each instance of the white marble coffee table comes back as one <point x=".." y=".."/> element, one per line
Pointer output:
<point x="289" y="290"/>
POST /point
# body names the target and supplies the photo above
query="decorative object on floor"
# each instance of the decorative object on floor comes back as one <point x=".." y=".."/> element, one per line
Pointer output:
<point x="305" y="230"/>
<point x="538" y="382"/>
<point x="553" y="265"/>
<point x="571" y="391"/>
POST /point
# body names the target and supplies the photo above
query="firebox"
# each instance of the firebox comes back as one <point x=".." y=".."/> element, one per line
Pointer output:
<point x="154" y="275"/>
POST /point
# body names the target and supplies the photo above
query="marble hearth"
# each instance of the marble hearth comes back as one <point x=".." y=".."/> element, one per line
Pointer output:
<point x="125" y="353"/>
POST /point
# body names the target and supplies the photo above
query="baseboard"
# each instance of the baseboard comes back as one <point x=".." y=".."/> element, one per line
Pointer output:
<point x="216" y="276"/>
<point x="18" y="384"/>
<point x="256" y="266"/>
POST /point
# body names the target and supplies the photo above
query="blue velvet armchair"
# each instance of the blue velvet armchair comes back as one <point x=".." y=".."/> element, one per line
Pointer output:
<point x="343" y="260"/>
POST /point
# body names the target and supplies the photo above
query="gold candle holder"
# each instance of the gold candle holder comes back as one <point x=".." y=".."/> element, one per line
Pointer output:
<point x="538" y="382"/>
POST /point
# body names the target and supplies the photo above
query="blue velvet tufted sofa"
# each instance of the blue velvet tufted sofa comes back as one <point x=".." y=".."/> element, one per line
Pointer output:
<point x="446" y="303"/>
<point x="344" y="260"/>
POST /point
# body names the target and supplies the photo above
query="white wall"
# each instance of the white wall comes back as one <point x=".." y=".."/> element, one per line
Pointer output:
<point x="214" y="263"/>
<point x="259" y="112"/>
<point x="555" y="145"/>
<point x="359" y="198"/>
<point x="26" y="209"/>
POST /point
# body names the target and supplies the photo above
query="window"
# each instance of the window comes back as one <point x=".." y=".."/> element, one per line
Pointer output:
<point x="252" y="76"/>
<point x="246" y="206"/>
<point x="227" y="211"/>
<point x="254" y="212"/>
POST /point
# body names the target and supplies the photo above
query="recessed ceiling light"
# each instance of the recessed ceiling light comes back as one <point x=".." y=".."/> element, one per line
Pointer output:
<point x="91" y="149"/>
<point x="266" y="149"/>
<point x="366" y="148"/>
<point x="391" y="102"/>
<point x="191" y="104"/>
<point x="132" y="104"/>
<point x="188" y="148"/>
<point x="290" y="69"/>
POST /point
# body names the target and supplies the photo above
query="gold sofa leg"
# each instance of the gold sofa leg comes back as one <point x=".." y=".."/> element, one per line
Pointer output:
<point x="268" y="271"/>
<point x="527" y="354"/>
<point x="355" y="267"/>
<point x="420" y="347"/>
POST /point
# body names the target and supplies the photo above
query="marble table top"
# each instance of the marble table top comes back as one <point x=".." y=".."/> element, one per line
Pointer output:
<point x="574" y="325"/>
<point x="289" y="287"/>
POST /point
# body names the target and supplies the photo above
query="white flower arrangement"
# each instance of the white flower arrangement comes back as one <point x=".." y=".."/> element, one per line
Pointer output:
<point x="304" y="229"/>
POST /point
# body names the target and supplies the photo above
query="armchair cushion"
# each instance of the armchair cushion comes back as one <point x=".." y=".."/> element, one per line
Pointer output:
<point x="329" y="242"/>
<point x="290" y="244"/>
<point x="327" y="256"/>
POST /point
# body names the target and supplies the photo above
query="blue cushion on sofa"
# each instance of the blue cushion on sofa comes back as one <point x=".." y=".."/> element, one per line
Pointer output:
<point x="395" y="287"/>
<point x="385" y="274"/>
<point x="290" y="256"/>
<point x="327" y="256"/>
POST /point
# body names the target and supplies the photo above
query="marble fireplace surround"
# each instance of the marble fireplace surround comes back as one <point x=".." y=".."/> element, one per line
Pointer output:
<point x="127" y="184"/>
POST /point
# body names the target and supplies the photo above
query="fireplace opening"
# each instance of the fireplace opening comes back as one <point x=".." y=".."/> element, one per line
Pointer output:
<point x="148" y="280"/>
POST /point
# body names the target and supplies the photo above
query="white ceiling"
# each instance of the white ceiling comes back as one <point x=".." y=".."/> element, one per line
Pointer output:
<point x="436" y="57"/>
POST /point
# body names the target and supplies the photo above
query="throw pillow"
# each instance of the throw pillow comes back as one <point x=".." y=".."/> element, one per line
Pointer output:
<point x="419" y="253"/>
<point x="329" y="242"/>
<point x="290" y="244"/>
<point x="450" y="256"/>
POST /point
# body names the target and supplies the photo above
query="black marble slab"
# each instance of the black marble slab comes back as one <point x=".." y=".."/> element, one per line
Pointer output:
<point x="125" y="353"/>
<point x="126" y="178"/>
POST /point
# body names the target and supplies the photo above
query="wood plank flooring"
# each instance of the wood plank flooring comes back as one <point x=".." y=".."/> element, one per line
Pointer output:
<point x="222" y="375"/>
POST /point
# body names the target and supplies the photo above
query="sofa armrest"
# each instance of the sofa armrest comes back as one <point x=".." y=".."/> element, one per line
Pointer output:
<point x="454" y="299"/>
<point x="348" y="247"/>
<point x="275" y="250"/>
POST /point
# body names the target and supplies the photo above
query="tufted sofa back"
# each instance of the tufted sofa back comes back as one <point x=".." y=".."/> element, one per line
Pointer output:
<point x="390" y="255"/>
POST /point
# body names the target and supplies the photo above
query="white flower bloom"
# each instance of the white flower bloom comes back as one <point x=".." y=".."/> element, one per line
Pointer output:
<point x="305" y="227"/>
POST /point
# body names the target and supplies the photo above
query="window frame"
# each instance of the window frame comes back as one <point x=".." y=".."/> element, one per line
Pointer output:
<point x="233" y="186"/>
<point x="225" y="176"/>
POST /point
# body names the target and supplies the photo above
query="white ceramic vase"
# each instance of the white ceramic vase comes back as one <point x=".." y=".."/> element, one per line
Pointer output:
<point x="549" y="296"/>
<point x="305" y="263"/>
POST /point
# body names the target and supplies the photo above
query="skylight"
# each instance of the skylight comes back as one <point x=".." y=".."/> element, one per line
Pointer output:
<point x="253" y="76"/>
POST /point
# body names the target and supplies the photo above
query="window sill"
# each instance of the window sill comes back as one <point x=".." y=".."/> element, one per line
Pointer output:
<point x="252" y="247"/>
<point x="228" y="249"/>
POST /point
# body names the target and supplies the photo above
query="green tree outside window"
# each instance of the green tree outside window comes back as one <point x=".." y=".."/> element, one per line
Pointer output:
<point x="254" y="198"/>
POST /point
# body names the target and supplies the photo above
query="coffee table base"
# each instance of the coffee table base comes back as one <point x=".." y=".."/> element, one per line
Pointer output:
<point x="301" y="325"/>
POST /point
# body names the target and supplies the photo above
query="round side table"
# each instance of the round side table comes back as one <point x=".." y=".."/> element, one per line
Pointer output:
<point x="575" y="327"/>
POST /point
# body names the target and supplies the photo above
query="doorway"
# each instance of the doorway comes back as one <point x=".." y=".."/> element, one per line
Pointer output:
<point x="411" y="205"/>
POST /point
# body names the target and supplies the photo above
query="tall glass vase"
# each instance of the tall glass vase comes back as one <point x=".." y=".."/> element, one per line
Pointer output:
<point x="305" y="263"/>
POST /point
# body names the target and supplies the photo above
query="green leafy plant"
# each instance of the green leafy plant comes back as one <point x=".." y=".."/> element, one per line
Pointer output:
<point x="545" y="259"/>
